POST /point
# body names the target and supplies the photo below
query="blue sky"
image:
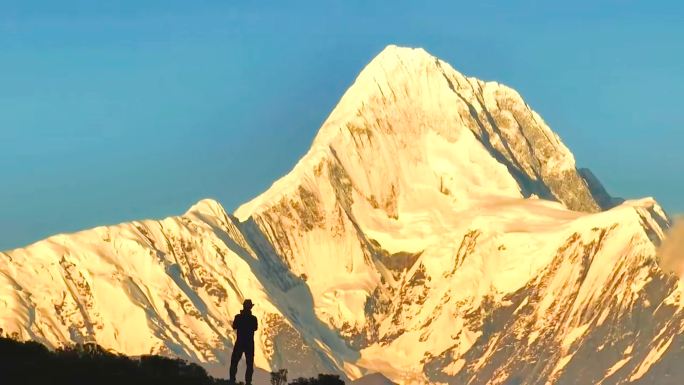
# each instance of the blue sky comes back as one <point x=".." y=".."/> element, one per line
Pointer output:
<point x="114" y="112"/>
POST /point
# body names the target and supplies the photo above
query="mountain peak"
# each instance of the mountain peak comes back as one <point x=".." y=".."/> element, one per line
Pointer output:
<point x="410" y="117"/>
<point x="207" y="206"/>
<point x="403" y="243"/>
<point x="394" y="53"/>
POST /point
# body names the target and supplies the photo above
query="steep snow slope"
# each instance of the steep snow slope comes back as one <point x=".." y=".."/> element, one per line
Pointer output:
<point x="164" y="287"/>
<point x="410" y="240"/>
<point x="412" y="146"/>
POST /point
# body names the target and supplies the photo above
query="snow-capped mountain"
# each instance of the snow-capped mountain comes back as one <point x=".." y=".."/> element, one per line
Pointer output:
<point x="437" y="231"/>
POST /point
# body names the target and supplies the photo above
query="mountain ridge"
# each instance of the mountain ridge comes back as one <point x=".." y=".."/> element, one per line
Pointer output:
<point x="436" y="224"/>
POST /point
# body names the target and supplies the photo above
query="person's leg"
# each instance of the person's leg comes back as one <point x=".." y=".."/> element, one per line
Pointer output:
<point x="249" y="358"/>
<point x="234" y="359"/>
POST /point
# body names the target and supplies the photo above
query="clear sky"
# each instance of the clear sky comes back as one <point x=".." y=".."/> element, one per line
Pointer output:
<point x="114" y="111"/>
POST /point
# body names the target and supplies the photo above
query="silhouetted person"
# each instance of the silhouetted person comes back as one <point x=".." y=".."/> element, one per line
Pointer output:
<point x="246" y="324"/>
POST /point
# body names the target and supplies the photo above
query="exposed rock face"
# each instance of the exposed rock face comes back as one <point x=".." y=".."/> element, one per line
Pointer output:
<point x="411" y="240"/>
<point x="598" y="191"/>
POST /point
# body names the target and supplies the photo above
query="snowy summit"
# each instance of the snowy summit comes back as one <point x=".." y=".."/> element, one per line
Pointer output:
<point x="438" y="231"/>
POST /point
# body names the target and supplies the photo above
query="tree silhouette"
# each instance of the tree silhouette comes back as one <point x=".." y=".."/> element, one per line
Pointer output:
<point x="279" y="377"/>
<point x="322" y="379"/>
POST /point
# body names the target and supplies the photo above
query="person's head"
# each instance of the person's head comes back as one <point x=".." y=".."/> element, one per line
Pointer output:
<point x="247" y="305"/>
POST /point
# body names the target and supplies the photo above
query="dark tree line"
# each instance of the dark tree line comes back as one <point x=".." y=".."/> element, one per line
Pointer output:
<point x="280" y="378"/>
<point x="322" y="379"/>
<point x="31" y="363"/>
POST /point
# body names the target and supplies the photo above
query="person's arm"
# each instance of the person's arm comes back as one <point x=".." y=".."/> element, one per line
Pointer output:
<point x="235" y="322"/>
<point x="256" y="324"/>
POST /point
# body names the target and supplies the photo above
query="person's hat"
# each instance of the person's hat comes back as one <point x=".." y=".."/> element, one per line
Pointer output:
<point x="248" y="304"/>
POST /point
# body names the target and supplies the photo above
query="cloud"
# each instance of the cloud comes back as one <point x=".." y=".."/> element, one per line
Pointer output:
<point x="671" y="251"/>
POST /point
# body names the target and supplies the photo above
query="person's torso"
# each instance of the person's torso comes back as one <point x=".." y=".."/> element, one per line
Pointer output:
<point x="245" y="324"/>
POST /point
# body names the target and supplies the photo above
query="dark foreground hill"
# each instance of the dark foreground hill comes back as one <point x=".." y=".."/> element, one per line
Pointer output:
<point x="30" y="363"/>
